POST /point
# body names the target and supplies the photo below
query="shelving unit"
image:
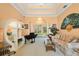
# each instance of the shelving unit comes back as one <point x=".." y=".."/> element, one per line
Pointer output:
<point x="20" y="44"/>
<point x="16" y="26"/>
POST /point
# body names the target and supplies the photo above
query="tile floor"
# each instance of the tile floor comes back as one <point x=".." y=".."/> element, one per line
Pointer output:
<point x="37" y="49"/>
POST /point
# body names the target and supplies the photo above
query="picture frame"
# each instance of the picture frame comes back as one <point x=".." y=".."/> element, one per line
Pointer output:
<point x="25" y="26"/>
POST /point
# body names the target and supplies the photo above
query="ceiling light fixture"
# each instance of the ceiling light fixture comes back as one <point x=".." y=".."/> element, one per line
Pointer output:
<point x="39" y="18"/>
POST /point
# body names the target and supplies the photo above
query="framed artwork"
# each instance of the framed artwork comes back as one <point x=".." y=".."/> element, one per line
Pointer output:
<point x="25" y="26"/>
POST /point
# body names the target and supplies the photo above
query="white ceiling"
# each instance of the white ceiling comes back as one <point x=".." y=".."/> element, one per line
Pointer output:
<point x="40" y="9"/>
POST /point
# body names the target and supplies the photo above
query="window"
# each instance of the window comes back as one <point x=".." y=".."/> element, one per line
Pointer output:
<point x="71" y="19"/>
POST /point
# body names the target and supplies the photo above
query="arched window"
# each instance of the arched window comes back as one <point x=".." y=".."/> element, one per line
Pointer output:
<point x="71" y="19"/>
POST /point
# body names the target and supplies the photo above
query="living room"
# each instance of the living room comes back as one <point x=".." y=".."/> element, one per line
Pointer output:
<point x="18" y="21"/>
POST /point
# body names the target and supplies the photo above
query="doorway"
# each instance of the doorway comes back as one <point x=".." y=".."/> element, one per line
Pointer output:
<point x="41" y="29"/>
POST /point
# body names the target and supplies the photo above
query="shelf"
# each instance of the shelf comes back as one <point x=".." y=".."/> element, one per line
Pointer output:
<point x="20" y="42"/>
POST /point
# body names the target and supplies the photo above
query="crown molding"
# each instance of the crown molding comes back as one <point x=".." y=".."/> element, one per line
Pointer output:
<point x="64" y="9"/>
<point x="58" y="12"/>
<point x="17" y="8"/>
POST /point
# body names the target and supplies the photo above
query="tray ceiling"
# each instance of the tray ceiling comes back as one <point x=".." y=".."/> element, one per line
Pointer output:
<point x="41" y="9"/>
